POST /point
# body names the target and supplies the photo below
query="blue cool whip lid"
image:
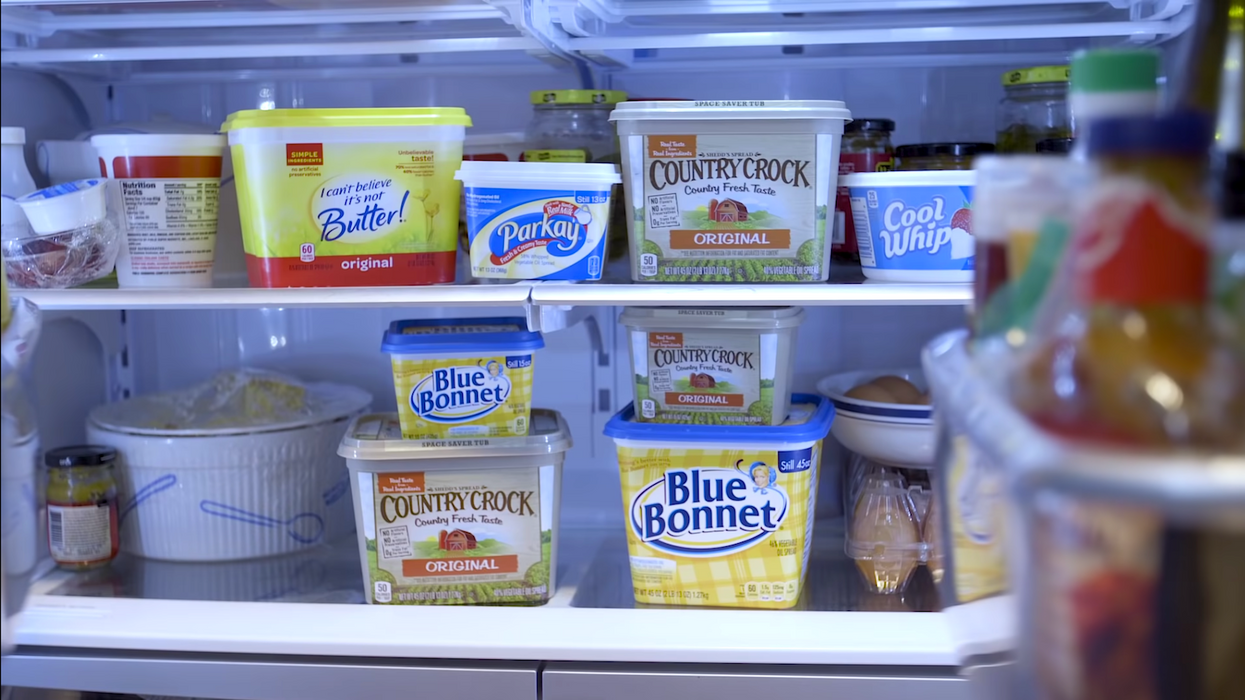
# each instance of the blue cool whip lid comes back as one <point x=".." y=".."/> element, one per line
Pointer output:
<point x="458" y="335"/>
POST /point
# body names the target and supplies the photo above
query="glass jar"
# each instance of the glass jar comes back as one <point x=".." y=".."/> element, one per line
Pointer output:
<point x="572" y="126"/>
<point x="1034" y="108"/>
<point x="940" y="156"/>
<point x="866" y="149"/>
<point x="82" y="506"/>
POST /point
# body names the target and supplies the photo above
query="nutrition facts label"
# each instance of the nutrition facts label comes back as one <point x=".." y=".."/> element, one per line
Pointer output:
<point x="171" y="225"/>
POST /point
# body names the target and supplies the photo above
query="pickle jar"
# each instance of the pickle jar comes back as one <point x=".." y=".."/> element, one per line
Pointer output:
<point x="82" y="506"/>
<point x="1034" y="108"/>
<point x="572" y="126"/>
<point x="940" y="156"/>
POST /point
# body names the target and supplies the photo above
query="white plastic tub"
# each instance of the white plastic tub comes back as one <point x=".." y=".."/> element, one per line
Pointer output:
<point x="717" y="515"/>
<point x="713" y="366"/>
<point x="457" y="522"/>
<point x="730" y="191"/>
<point x="914" y="226"/>
<point x="530" y="221"/>
<point x="170" y="184"/>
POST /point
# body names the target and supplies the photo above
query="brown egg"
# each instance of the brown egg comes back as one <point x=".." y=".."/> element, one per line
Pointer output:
<point x="871" y="392"/>
<point x="902" y="389"/>
<point x="926" y="400"/>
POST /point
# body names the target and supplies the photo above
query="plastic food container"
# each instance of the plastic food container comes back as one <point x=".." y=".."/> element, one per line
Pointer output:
<point x="348" y="197"/>
<point x="462" y="377"/>
<point x="894" y="434"/>
<point x="713" y="366"/>
<point x="240" y="467"/>
<point x="730" y="191"/>
<point x="720" y="516"/>
<point x="914" y="227"/>
<point x="886" y="529"/>
<point x="170" y="186"/>
<point x="74" y="242"/>
<point x="441" y="522"/>
<point x="531" y="221"/>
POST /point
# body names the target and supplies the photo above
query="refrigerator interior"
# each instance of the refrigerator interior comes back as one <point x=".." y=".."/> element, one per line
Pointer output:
<point x="71" y="67"/>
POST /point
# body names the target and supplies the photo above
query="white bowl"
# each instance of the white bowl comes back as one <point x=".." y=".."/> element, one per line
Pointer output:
<point x="899" y="435"/>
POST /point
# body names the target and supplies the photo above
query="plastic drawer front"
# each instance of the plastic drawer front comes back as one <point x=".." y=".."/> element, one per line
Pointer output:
<point x="568" y="681"/>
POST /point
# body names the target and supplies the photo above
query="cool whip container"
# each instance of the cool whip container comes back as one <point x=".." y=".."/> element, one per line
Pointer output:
<point x="170" y="186"/>
<point x="530" y="221"/>
<point x="462" y="377"/>
<point x="730" y="191"/>
<point x="443" y="523"/>
<point x="348" y="197"/>
<point x="719" y="516"/>
<point x="914" y="226"/>
<point x="713" y="366"/>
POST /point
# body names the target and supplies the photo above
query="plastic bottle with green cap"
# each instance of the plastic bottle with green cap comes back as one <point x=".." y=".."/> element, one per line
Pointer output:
<point x="1112" y="83"/>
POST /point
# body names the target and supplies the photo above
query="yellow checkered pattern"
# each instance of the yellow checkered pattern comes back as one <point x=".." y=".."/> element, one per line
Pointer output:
<point x="509" y="419"/>
<point x="769" y="574"/>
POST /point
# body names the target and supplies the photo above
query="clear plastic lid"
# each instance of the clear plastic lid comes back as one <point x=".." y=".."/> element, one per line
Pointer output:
<point x="758" y="317"/>
<point x="378" y="436"/>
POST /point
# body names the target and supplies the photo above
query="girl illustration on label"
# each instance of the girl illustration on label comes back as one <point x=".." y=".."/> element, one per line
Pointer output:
<point x="495" y="378"/>
<point x="763" y="476"/>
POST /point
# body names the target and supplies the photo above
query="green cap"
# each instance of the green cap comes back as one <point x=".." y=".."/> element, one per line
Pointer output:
<point x="1115" y="70"/>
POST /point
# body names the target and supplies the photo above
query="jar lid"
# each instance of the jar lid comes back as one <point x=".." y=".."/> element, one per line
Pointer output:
<point x="869" y="124"/>
<point x="1172" y="134"/>
<point x="1054" y="146"/>
<point x="1114" y="70"/>
<point x="578" y="97"/>
<point x="928" y="150"/>
<point x="1037" y="74"/>
<point x="80" y="456"/>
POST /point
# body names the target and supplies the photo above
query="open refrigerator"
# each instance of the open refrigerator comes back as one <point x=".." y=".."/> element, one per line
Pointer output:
<point x="287" y="628"/>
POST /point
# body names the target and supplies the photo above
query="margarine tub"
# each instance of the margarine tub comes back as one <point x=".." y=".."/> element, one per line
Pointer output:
<point x="914" y="226"/>
<point x="348" y="197"/>
<point x="462" y="377"/>
<point x="537" y="221"/>
<point x="720" y="516"/>
<point x="452" y="522"/>
<point x="713" y="366"/>
<point x="731" y="190"/>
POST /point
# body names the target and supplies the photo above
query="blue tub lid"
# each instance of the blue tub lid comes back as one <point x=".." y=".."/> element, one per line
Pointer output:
<point x="446" y="335"/>
<point x="808" y="421"/>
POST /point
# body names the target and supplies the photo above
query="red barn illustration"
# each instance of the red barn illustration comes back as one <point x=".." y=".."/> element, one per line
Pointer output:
<point x="456" y="541"/>
<point x="727" y="211"/>
<point x="701" y="381"/>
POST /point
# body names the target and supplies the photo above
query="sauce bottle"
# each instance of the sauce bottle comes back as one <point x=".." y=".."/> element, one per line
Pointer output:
<point x="1137" y="359"/>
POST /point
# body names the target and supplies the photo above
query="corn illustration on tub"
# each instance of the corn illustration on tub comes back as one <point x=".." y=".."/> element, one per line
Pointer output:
<point x="462" y="377"/>
<point x="718" y="515"/>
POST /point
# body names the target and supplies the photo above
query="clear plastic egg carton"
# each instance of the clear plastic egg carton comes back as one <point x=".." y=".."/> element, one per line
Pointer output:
<point x="892" y="524"/>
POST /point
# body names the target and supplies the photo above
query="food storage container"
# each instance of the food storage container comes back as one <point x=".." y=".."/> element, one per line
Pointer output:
<point x="878" y="426"/>
<point x="571" y="126"/>
<point x="453" y="522"/>
<point x="170" y="189"/>
<point x="729" y="191"/>
<point x="348" y="197"/>
<point x="1034" y="107"/>
<point x="939" y="156"/>
<point x="462" y="377"/>
<point x="73" y="237"/>
<point x="914" y="227"/>
<point x="719" y="516"/>
<point x="886" y="526"/>
<point x="242" y="466"/>
<point x="867" y="148"/>
<point x="531" y="221"/>
<point x="713" y="366"/>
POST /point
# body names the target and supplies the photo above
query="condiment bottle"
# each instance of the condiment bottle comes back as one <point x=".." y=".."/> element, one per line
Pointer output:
<point x="1137" y="359"/>
<point x="1112" y="83"/>
<point x="866" y="148"/>
<point x="15" y="179"/>
<point x="82" y="506"/>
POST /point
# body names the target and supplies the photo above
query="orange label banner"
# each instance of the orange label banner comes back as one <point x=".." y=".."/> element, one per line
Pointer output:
<point x="461" y="566"/>
<point x="692" y="399"/>
<point x="671" y="146"/>
<point x="665" y="340"/>
<point x="754" y="239"/>
<point x="406" y="482"/>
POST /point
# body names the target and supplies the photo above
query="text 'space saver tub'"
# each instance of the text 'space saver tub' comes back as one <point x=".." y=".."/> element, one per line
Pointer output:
<point x="468" y="377"/>
<point x="531" y="221"/>
<point x="721" y="515"/>
<point x="730" y="191"/>
<point x="348" y="197"/>
<point x="456" y="522"/>
<point x="914" y="226"/>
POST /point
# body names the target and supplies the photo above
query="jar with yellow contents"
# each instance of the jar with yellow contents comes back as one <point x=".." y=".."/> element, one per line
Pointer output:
<point x="1034" y="108"/>
<point x="83" y="529"/>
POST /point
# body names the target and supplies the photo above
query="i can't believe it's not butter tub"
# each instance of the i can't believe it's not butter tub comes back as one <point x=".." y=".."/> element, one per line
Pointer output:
<point x="348" y="197"/>
<point x="443" y="523"/>
<point x="468" y="377"/>
<point x="718" y="515"/>
<point x="530" y="221"/>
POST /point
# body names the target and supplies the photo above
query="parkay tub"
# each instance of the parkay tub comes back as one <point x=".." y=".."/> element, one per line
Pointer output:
<point x="441" y="522"/>
<point x="721" y="515"/>
<point x="348" y="197"/>
<point x="730" y="191"/>
<point x="462" y="377"/>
